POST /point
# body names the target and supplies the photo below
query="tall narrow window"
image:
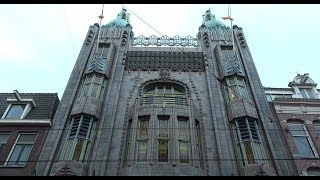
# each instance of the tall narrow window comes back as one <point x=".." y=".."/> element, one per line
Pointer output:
<point x="248" y="141"/>
<point x="198" y="142"/>
<point x="103" y="51"/>
<point x="80" y="138"/>
<point x="143" y="138"/>
<point x="301" y="139"/>
<point x="163" y="138"/>
<point x="94" y="85"/>
<point x="183" y="139"/>
<point x="128" y="143"/>
<point x="21" y="149"/>
<point x="173" y="141"/>
<point x="3" y="139"/>
<point x="236" y="88"/>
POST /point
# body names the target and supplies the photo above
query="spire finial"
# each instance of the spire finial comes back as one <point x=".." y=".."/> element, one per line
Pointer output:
<point x="100" y="17"/>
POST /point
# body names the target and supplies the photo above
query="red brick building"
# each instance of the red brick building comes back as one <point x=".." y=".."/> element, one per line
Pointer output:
<point x="25" y="121"/>
<point x="298" y="113"/>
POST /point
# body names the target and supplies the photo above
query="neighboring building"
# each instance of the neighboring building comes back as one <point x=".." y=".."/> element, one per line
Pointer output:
<point x="298" y="111"/>
<point x="160" y="106"/>
<point x="25" y="121"/>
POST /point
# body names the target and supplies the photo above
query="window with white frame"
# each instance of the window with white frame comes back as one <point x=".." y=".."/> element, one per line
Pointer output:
<point x="3" y="138"/>
<point x="15" y="111"/>
<point x="248" y="141"/>
<point x="21" y="150"/>
<point x="301" y="139"/>
<point x="307" y="93"/>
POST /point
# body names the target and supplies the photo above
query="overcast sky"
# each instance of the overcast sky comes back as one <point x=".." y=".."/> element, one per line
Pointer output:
<point x="39" y="44"/>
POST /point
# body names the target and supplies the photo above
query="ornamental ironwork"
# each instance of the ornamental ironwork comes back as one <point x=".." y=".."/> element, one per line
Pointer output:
<point x="165" y="41"/>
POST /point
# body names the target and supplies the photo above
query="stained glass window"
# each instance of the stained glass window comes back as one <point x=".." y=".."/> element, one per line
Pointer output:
<point x="142" y="151"/>
<point x="163" y="151"/>
<point x="143" y="130"/>
<point x="143" y="138"/>
<point x="183" y="152"/>
<point x="183" y="139"/>
<point x="183" y="127"/>
<point x="163" y="138"/>
<point x="163" y="126"/>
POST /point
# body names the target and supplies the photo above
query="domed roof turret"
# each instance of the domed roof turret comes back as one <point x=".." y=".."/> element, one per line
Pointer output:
<point x="210" y="21"/>
<point x="122" y="20"/>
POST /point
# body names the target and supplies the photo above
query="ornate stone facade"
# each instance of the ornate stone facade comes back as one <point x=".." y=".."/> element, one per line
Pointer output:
<point x="185" y="106"/>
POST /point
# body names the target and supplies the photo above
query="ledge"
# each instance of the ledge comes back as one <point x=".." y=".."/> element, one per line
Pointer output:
<point x="27" y="122"/>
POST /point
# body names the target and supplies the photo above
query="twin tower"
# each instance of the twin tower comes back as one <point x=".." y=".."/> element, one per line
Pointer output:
<point x="161" y="106"/>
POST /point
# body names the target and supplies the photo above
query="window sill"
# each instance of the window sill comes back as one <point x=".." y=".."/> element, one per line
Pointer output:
<point x="12" y="166"/>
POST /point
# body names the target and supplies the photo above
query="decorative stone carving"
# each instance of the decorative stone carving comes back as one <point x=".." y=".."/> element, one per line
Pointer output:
<point x="164" y="74"/>
<point x="156" y="60"/>
<point x="165" y="41"/>
<point x="206" y="41"/>
<point x="65" y="171"/>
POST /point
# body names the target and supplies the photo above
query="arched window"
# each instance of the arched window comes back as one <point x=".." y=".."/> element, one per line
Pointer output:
<point x="301" y="138"/>
<point x="164" y="93"/>
<point x="248" y="141"/>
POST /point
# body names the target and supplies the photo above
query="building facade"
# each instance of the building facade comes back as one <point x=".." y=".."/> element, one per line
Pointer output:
<point x="164" y="106"/>
<point x="297" y="109"/>
<point x="25" y="121"/>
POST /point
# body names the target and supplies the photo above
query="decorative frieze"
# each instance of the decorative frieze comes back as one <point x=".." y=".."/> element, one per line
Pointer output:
<point x="156" y="60"/>
<point x="165" y="41"/>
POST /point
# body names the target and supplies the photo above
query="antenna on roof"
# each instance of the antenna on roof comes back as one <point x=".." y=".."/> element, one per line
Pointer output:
<point x="231" y="26"/>
<point x="100" y="17"/>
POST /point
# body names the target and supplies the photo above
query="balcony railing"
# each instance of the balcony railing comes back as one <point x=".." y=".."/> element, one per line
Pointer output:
<point x="165" y="99"/>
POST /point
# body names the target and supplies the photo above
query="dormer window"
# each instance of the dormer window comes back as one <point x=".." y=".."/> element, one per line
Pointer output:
<point x="304" y="87"/>
<point x="15" y="111"/>
<point x="18" y="108"/>
<point x="307" y="93"/>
